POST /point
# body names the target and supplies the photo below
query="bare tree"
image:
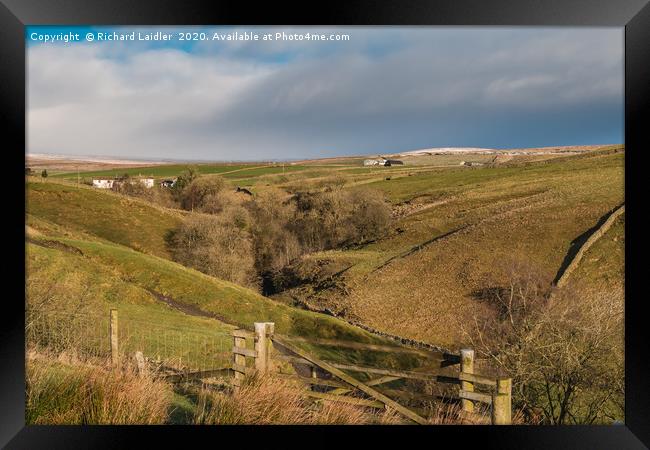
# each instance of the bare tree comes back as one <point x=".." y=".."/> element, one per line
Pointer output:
<point x="562" y="347"/>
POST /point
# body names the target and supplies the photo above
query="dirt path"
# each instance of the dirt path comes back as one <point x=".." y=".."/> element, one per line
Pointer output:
<point x="185" y="308"/>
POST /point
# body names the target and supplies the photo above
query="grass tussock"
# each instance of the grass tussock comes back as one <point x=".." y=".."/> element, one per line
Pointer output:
<point x="274" y="401"/>
<point x="59" y="393"/>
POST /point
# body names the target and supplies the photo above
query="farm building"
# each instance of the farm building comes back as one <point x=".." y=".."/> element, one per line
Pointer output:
<point x="109" y="183"/>
<point x="103" y="183"/>
<point x="471" y="163"/>
<point x="382" y="162"/>
<point x="168" y="183"/>
<point x="148" y="182"/>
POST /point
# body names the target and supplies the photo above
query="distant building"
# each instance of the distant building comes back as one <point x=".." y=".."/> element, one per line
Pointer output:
<point x="148" y="182"/>
<point x="471" y="163"/>
<point x="103" y="183"/>
<point x="168" y="183"/>
<point x="382" y="162"/>
<point x="109" y="183"/>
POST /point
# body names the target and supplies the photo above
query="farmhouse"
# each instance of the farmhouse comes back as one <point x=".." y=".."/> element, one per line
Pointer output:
<point x="382" y="162"/>
<point x="103" y="183"/>
<point x="109" y="183"/>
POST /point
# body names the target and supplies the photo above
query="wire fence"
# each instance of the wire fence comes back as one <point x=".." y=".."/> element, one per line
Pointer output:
<point x="175" y="347"/>
<point x="88" y="336"/>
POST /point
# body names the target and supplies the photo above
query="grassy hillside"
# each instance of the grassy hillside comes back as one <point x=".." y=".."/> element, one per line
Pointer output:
<point x="166" y="310"/>
<point x="141" y="286"/>
<point x="113" y="217"/>
<point x="453" y="226"/>
<point x="421" y="281"/>
<point x="602" y="268"/>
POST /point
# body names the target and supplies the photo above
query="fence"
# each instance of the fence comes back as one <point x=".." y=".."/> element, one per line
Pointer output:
<point x="270" y="348"/>
<point x="179" y="355"/>
<point x="173" y="351"/>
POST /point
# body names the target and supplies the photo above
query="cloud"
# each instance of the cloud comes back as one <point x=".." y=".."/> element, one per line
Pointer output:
<point x="386" y="89"/>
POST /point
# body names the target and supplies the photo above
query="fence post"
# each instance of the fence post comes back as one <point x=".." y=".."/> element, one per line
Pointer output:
<point x="238" y="360"/>
<point x="467" y="366"/>
<point x="140" y="363"/>
<point x="115" y="356"/>
<point x="263" y="333"/>
<point x="502" y="402"/>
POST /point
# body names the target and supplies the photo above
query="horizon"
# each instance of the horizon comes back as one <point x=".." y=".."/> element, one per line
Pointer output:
<point x="158" y="160"/>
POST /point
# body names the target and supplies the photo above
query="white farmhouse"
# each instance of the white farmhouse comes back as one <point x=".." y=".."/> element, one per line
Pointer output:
<point x="103" y="183"/>
<point x="109" y="183"/>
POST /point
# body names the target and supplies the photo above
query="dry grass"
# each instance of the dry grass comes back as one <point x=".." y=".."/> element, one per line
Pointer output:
<point x="273" y="401"/>
<point x="77" y="394"/>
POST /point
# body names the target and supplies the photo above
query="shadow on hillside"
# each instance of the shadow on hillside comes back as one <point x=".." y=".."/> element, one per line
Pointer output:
<point x="578" y="242"/>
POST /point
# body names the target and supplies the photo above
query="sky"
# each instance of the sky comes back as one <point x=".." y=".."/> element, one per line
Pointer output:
<point x="382" y="90"/>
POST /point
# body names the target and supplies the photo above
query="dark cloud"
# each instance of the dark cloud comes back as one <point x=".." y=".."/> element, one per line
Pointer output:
<point x="386" y="89"/>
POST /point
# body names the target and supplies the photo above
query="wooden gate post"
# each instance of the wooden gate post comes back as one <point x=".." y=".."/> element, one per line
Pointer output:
<point x="502" y="403"/>
<point x="263" y="346"/>
<point x="467" y="366"/>
<point x="115" y="356"/>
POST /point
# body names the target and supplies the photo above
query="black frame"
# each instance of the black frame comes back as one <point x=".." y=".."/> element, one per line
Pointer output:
<point x="634" y="15"/>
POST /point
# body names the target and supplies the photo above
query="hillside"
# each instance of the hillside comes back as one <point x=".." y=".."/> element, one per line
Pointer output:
<point x="97" y="260"/>
<point x="454" y="228"/>
<point x="113" y="217"/>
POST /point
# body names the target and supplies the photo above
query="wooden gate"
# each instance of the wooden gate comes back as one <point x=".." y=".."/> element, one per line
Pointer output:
<point x="331" y="380"/>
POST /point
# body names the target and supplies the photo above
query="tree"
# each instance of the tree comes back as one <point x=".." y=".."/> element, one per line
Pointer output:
<point x="563" y="348"/>
<point x="44" y="174"/>
<point x="199" y="190"/>
<point x="183" y="180"/>
<point x="215" y="245"/>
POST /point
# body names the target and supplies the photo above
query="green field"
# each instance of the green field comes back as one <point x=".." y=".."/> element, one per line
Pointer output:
<point x="158" y="171"/>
